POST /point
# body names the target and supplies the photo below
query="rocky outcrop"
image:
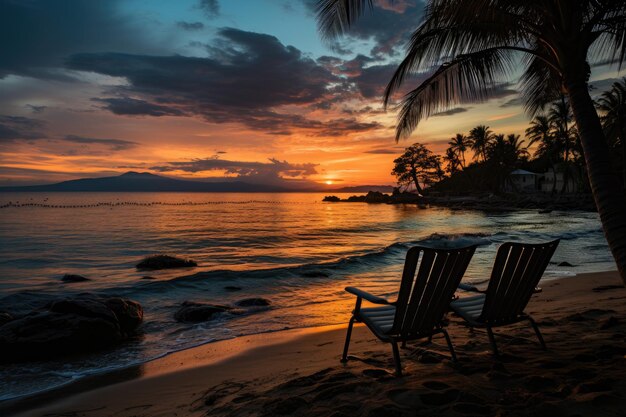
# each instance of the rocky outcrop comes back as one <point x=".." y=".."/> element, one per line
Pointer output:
<point x="376" y="197"/>
<point x="253" y="302"/>
<point x="73" y="325"/>
<point x="164" y="262"/>
<point x="193" y="312"/>
<point x="74" y="278"/>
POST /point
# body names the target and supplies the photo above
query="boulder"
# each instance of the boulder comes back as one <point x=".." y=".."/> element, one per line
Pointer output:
<point x="74" y="278"/>
<point x="164" y="262"/>
<point x="565" y="263"/>
<point x="253" y="302"/>
<point x="192" y="312"/>
<point x="73" y="325"/>
<point x="129" y="313"/>
<point x="5" y="318"/>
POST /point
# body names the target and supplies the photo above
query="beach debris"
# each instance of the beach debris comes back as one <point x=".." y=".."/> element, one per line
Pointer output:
<point x="5" y="318"/>
<point x="164" y="262"/>
<point x="74" y="278"/>
<point x="78" y="324"/>
<point x="194" y="312"/>
<point x="253" y="302"/>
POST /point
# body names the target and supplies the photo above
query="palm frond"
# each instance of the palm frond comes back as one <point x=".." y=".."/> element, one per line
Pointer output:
<point x="468" y="78"/>
<point x="334" y="17"/>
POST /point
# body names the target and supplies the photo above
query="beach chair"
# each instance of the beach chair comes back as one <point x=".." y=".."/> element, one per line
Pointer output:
<point x="516" y="272"/>
<point x="423" y="300"/>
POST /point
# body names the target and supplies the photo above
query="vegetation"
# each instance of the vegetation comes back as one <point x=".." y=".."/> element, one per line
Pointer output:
<point x="479" y="44"/>
<point x="417" y="167"/>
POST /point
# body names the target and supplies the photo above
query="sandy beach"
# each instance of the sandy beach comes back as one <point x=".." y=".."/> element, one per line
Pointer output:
<point x="297" y="372"/>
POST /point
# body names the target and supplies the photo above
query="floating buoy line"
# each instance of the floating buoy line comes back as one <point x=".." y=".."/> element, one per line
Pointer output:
<point x="146" y="204"/>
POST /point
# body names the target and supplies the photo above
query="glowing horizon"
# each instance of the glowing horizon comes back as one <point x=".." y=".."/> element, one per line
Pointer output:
<point x="175" y="87"/>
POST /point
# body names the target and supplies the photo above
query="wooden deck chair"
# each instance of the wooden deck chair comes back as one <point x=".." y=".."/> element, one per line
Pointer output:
<point x="516" y="272"/>
<point x="423" y="299"/>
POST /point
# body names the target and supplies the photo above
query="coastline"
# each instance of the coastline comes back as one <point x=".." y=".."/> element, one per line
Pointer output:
<point x="261" y="368"/>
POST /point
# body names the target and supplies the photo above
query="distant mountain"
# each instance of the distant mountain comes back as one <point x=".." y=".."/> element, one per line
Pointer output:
<point x="364" y="189"/>
<point x="146" y="182"/>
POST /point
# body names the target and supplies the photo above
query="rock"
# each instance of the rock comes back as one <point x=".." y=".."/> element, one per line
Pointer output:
<point x="192" y="312"/>
<point x="74" y="278"/>
<point x="164" y="262"/>
<point x="73" y="325"/>
<point x="5" y="318"/>
<point x="565" y="264"/>
<point x="129" y="313"/>
<point x="232" y="288"/>
<point x="147" y="277"/>
<point x="332" y="198"/>
<point x="253" y="302"/>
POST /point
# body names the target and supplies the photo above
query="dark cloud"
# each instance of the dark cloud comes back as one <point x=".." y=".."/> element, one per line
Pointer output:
<point x="190" y="25"/>
<point x="132" y="106"/>
<point x="113" y="144"/>
<point x="274" y="168"/>
<point x="211" y="8"/>
<point x="451" y="112"/>
<point x="36" y="35"/>
<point x="517" y="101"/>
<point x="597" y="87"/>
<point x="16" y="128"/>
<point x="245" y="78"/>
<point x="389" y="26"/>
<point x="36" y="109"/>
<point x="384" y="151"/>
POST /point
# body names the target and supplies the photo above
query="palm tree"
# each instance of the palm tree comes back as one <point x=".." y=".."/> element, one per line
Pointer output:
<point x="516" y="147"/>
<point x="480" y="137"/>
<point x="478" y="44"/>
<point x="541" y="132"/>
<point x="612" y="104"/>
<point x="452" y="160"/>
<point x="459" y="145"/>
<point x="560" y="117"/>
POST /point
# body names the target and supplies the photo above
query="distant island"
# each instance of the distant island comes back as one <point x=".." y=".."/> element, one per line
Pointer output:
<point x="147" y="182"/>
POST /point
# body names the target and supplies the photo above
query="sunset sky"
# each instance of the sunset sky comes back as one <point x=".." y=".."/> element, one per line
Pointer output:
<point x="208" y="88"/>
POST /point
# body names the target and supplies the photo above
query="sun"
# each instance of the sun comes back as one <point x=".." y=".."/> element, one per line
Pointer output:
<point x="329" y="182"/>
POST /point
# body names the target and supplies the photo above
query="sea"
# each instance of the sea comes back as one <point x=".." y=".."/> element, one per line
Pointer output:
<point x="292" y="249"/>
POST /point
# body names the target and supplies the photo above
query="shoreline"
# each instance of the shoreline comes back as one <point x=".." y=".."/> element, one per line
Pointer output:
<point x="273" y="357"/>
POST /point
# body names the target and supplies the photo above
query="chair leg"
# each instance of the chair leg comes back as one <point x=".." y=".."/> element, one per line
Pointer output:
<point x="492" y="339"/>
<point x="344" y="357"/>
<point x="538" y="333"/>
<point x="396" y="357"/>
<point x="452" y="353"/>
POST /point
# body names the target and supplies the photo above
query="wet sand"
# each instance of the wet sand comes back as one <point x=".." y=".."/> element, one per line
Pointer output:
<point x="297" y="372"/>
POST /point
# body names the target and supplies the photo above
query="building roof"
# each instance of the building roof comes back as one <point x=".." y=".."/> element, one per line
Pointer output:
<point x="522" y="172"/>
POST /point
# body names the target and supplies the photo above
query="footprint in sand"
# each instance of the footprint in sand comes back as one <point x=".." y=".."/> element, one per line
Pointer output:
<point x="375" y="373"/>
<point x="601" y="385"/>
<point x="435" y="385"/>
<point x="472" y="409"/>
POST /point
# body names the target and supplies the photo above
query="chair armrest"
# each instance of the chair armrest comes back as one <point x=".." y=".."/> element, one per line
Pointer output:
<point x="469" y="287"/>
<point x="367" y="296"/>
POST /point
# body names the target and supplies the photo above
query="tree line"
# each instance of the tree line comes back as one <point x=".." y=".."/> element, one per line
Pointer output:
<point x="482" y="160"/>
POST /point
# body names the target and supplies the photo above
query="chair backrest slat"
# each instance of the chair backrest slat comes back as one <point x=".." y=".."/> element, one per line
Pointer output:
<point x="517" y="270"/>
<point x="426" y="289"/>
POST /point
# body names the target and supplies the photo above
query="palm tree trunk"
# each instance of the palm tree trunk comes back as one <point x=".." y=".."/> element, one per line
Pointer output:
<point x="605" y="185"/>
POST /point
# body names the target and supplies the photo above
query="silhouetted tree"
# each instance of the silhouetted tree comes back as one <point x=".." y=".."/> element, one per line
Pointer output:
<point x="417" y="166"/>
<point x="480" y="137"/>
<point x="612" y="105"/>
